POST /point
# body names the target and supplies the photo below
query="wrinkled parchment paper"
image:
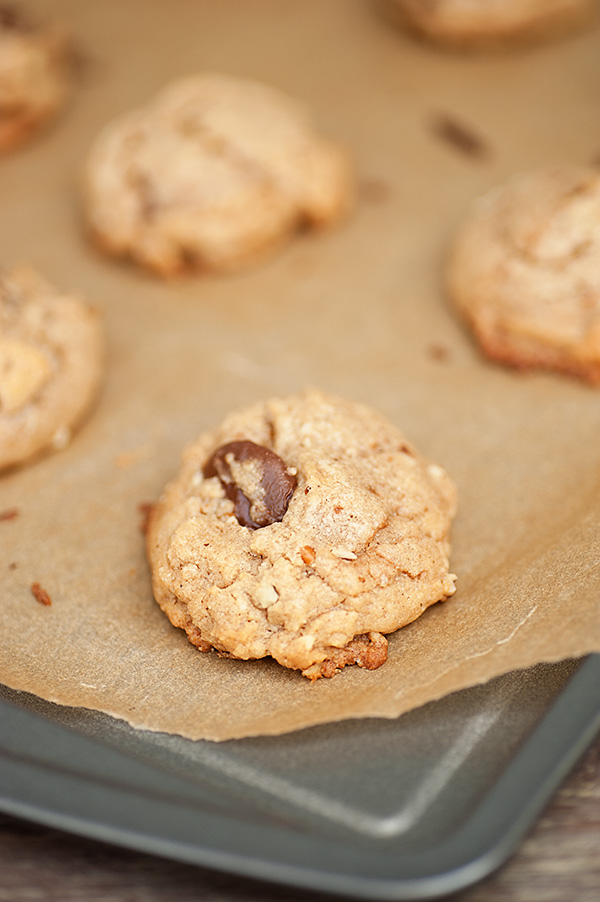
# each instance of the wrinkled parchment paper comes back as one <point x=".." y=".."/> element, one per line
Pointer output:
<point x="358" y="311"/>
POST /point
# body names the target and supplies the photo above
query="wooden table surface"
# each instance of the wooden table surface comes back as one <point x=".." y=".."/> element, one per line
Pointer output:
<point x="558" y="862"/>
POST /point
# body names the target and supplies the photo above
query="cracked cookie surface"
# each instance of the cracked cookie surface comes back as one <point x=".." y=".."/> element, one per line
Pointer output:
<point x="214" y="174"/>
<point x="36" y="74"/>
<point x="357" y="549"/>
<point x="51" y="365"/>
<point x="524" y="272"/>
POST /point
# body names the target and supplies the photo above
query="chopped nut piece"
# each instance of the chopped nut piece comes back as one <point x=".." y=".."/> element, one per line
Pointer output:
<point x="308" y="555"/>
<point x="266" y="595"/>
<point x="344" y="553"/>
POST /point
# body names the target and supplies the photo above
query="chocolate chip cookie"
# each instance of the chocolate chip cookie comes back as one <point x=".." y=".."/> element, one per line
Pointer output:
<point x="484" y="24"/>
<point x="214" y="174"/>
<point x="524" y="274"/>
<point x="36" y="74"/>
<point x="51" y="364"/>
<point x="305" y="528"/>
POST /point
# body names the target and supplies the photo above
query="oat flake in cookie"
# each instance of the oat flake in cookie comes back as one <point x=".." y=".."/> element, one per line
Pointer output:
<point x="36" y="73"/>
<point x="524" y="271"/>
<point x="214" y="174"/>
<point x="305" y="528"/>
<point x="51" y="365"/>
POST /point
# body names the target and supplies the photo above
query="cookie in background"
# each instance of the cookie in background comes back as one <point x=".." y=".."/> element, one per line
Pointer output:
<point x="51" y="365"/>
<point x="215" y="173"/>
<point x="37" y="72"/>
<point x="523" y="271"/>
<point x="468" y="25"/>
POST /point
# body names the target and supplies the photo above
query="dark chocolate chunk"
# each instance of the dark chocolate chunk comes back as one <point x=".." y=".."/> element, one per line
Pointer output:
<point x="263" y="500"/>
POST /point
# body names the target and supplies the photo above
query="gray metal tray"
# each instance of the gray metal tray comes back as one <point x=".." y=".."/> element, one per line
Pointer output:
<point x="411" y="808"/>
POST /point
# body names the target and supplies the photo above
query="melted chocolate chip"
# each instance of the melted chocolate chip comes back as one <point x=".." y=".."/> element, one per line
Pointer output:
<point x="255" y="479"/>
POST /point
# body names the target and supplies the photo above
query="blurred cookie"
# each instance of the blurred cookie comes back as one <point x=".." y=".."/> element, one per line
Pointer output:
<point x="524" y="271"/>
<point x="51" y="364"/>
<point x="35" y="75"/>
<point x="214" y="174"/>
<point x="469" y="24"/>
<point x="305" y="528"/>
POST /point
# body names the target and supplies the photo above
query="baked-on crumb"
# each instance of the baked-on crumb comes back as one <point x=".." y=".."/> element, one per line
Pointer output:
<point x="214" y="174"/>
<point x="303" y="528"/>
<point x="40" y="594"/>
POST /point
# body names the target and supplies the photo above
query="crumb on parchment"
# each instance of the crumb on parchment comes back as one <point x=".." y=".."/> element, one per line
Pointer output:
<point x="40" y="594"/>
<point x="460" y="136"/>
<point x="11" y="513"/>
<point x="145" y="509"/>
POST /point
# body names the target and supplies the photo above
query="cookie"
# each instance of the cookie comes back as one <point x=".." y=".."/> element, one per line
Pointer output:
<point x="304" y="528"/>
<point x="523" y="271"/>
<point x="214" y="174"/>
<point x="51" y="364"/>
<point x="36" y="74"/>
<point x="481" y="24"/>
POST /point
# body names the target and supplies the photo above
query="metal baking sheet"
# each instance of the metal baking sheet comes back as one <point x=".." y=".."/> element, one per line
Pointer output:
<point x="411" y="808"/>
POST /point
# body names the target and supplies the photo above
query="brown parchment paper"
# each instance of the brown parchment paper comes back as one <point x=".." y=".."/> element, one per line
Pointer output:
<point x="358" y="311"/>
